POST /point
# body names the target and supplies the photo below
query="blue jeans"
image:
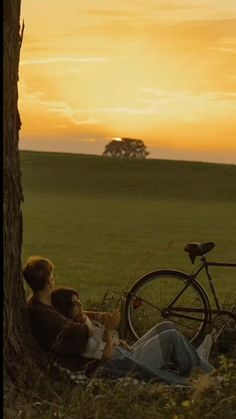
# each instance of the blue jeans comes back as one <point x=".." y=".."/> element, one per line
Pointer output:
<point x="161" y="354"/>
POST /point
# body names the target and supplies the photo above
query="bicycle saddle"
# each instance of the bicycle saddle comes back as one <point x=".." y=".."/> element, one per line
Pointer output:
<point x="198" y="249"/>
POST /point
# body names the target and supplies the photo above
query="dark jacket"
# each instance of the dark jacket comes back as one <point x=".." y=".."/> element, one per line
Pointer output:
<point x="63" y="339"/>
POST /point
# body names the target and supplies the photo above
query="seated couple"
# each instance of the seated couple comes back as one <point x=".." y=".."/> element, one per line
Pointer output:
<point x="88" y="341"/>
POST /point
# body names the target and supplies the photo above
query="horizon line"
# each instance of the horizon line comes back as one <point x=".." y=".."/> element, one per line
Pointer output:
<point x="147" y="158"/>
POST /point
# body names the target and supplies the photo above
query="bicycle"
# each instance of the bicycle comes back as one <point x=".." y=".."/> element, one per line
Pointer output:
<point x="176" y="296"/>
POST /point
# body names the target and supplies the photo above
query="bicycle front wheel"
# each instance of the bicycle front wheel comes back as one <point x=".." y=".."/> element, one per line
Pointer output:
<point x="167" y="295"/>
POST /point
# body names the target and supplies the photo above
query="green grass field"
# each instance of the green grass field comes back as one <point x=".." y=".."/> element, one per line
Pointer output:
<point x="105" y="222"/>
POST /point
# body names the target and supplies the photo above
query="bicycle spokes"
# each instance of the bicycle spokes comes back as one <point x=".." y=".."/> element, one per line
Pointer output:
<point x="138" y="301"/>
<point x="167" y="298"/>
<point x="180" y="293"/>
<point x="183" y="316"/>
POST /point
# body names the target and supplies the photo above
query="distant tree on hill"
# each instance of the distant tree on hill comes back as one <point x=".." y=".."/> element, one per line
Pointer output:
<point x="126" y="147"/>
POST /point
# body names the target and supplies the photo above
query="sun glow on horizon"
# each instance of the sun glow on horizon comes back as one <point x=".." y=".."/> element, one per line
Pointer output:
<point x="164" y="73"/>
<point x="117" y="139"/>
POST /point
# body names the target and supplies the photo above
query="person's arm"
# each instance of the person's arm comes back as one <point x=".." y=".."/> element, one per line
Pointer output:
<point x="95" y="315"/>
<point x="109" y="346"/>
<point x="111" y="321"/>
<point x="56" y="333"/>
<point x="124" y="344"/>
<point x="88" y="323"/>
<point x="72" y="339"/>
<point x="82" y="318"/>
<point x="100" y="316"/>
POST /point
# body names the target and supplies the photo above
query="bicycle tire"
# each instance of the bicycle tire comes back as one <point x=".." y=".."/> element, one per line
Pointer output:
<point x="190" y="283"/>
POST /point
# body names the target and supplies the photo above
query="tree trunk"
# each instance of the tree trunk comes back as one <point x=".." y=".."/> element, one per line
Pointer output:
<point x="15" y="327"/>
<point x="23" y="360"/>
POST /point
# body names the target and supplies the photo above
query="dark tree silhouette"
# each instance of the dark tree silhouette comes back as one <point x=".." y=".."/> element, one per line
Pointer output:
<point x="16" y="332"/>
<point x="23" y="360"/>
<point x="126" y="147"/>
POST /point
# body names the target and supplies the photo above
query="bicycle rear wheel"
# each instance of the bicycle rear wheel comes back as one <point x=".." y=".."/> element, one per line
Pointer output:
<point x="167" y="295"/>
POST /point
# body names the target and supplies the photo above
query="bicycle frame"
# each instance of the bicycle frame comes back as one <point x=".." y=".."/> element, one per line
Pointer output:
<point x="204" y="265"/>
<point x="200" y="315"/>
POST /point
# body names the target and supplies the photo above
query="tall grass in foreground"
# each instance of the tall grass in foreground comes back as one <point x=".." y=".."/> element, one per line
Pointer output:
<point x="208" y="396"/>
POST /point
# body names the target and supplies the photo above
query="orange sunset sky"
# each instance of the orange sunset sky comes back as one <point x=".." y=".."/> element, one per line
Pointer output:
<point x="160" y="70"/>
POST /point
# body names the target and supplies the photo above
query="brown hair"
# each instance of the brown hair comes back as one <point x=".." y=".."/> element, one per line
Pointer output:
<point x="62" y="300"/>
<point x="36" y="272"/>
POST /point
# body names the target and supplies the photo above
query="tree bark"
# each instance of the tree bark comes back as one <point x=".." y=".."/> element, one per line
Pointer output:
<point x="23" y="360"/>
<point x="15" y="327"/>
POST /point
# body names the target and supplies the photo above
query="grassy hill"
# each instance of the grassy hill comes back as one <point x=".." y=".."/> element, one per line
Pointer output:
<point x="105" y="222"/>
<point x="151" y="179"/>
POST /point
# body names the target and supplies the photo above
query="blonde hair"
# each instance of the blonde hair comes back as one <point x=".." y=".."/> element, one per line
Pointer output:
<point x="36" y="272"/>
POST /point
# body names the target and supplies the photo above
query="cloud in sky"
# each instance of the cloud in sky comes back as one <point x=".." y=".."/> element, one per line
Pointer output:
<point x="187" y="105"/>
<point x="162" y="10"/>
<point x="226" y="45"/>
<point x="59" y="107"/>
<point x="64" y="60"/>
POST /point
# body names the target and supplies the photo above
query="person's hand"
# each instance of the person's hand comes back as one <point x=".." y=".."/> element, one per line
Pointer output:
<point x="111" y="320"/>
<point x="124" y="345"/>
<point x="80" y="318"/>
<point x="101" y="316"/>
<point x="86" y="320"/>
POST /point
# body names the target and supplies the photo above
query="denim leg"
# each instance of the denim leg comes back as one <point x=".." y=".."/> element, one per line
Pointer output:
<point x="185" y="355"/>
<point x="118" y="368"/>
<point x="169" y="347"/>
<point x="160" y="327"/>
